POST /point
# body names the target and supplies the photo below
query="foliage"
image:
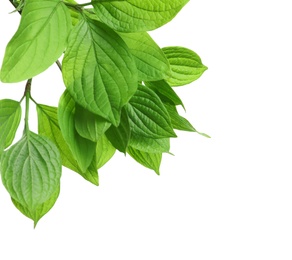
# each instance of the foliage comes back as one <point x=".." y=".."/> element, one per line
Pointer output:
<point x="119" y="92"/>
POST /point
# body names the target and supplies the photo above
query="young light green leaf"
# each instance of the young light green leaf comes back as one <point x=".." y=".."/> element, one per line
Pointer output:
<point x="89" y="125"/>
<point x="180" y="123"/>
<point x="149" y="160"/>
<point x="82" y="149"/>
<point x="104" y="151"/>
<point x="39" y="41"/>
<point x="148" y="116"/>
<point x="119" y="136"/>
<point x="149" y="145"/>
<point x="99" y="70"/>
<point x="150" y="59"/>
<point x="165" y="92"/>
<point x="137" y="15"/>
<point x="186" y="66"/>
<point x="48" y="126"/>
<point x="10" y="114"/>
<point x="31" y="170"/>
<point x="41" y="210"/>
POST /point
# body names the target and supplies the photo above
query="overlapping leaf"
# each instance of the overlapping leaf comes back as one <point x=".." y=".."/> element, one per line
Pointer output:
<point x="165" y="92"/>
<point x="148" y="116"/>
<point x="39" y="41"/>
<point x="149" y="160"/>
<point x="104" y="151"/>
<point x="149" y="145"/>
<point x="186" y="66"/>
<point x="180" y="123"/>
<point x="89" y="125"/>
<point x="48" y="126"/>
<point x="31" y="170"/>
<point x="99" y="70"/>
<point x="82" y="149"/>
<point x="10" y="114"/>
<point x="119" y="136"/>
<point x="137" y="15"/>
<point x="150" y="59"/>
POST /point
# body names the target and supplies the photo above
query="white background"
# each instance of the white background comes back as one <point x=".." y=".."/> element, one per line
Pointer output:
<point x="228" y="197"/>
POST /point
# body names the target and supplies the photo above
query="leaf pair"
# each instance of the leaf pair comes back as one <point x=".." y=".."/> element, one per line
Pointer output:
<point x="31" y="168"/>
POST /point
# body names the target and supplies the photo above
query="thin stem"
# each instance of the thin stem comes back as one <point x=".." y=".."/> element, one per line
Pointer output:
<point x="90" y="3"/>
<point x="59" y="65"/>
<point x="27" y="99"/>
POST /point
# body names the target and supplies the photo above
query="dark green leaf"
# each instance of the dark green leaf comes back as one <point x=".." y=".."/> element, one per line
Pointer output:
<point x="10" y="114"/>
<point x="48" y="126"/>
<point x="165" y="92"/>
<point x="82" y="149"/>
<point x="149" y="160"/>
<point x="180" y="123"/>
<point x="150" y="59"/>
<point x="148" y="116"/>
<point x="31" y="170"/>
<point x="89" y="125"/>
<point x="186" y="66"/>
<point x="39" y="41"/>
<point x="138" y="15"/>
<point x="99" y="70"/>
<point x="120" y="136"/>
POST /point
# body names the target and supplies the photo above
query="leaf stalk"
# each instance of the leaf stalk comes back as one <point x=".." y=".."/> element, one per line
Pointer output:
<point x="27" y="99"/>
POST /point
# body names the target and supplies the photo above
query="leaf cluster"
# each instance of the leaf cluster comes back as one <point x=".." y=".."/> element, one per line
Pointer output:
<point x="119" y="93"/>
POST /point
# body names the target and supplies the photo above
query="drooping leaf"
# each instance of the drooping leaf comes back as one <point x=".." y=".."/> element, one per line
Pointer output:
<point x="150" y="59"/>
<point x="41" y="210"/>
<point x="148" y="116"/>
<point x="31" y="170"/>
<point x="180" y="123"/>
<point x="48" y="126"/>
<point x="186" y="66"/>
<point x="82" y="149"/>
<point x="149" y="145"/>
<point x="104" y="151"/>
<point x="99" y="70"/>
<point x="119" y="136"/>
<point x="138" y="15"/>
<point x="10" y="114"/>
<point x="39" y="41"/>
<point x="149" y="160"/>
<point x="89" y="125"/>
<point x="165" y="92"/>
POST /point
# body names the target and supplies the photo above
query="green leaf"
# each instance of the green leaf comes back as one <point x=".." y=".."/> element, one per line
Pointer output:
<point x="165" y="92"/>
<point x="137" y="15"/>
<point x="40" y="210"/>
<point x="148" y="116"/>
<point x="150" y="59"/>
<point x="89" y="125"/>
<point x="180" y="123"/>
<point x="149" y="160"/>
<point x="82" y="149"/>
<point x="31" y="170"/>
<point x="99" y="70"/>
<point x="119" y="136"/>
<point x="149" y="145"/>
<point x="48" y="126"/>
<point x="186" y="66"/>
<point x="39" y="41"/>
<point x="104" y="151"/>
<point x="10" y="115"/>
